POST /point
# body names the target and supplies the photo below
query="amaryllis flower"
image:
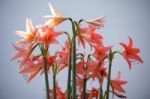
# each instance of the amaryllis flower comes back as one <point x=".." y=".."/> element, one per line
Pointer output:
<point x="116" y="84"/>
<point x="97" y="22"/>
<point x="79" y="82"/>
<point x="23" y="52"/>
<point x="59" y="93"/>
<point x="120" y="95"/>
<point x="92" y="94"/>
<point x="29" y="36"/>
<point x="88" y="34"/>
<point x="101" y="52"/>
<point x="55" y="18"/>
<point x="51" y="60"/>
<point x="95" y="38"/>
<point x="81" y="67"/>
<point x="99" y="72"/>
<point x="130" y="53"/>
<point x="63" y="56"/>
<point x="82" y="36"/>
<point x="84" y="68"/>
<point x="31" y="69"/>
<point x="47" y="35"/>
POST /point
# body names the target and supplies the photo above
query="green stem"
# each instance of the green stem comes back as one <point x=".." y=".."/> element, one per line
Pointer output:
<point x="69" y="74"/>
<point x="84" y="89"/>
<point x="44" y="53"/>
<point x="74" y="60"/>
<point x="74" y="69"/>
<point x="101" y="92"/>
<point x="54" y="87"/>
<point x="109" y="73"/>
<point x="46" y="77"/>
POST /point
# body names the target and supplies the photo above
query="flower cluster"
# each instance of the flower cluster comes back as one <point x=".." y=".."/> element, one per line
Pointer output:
<point x="81" y="67"/>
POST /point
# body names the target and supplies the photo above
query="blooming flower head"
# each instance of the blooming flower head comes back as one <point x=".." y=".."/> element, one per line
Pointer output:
<point x="116" y="84"/>
<point x="101" y="52"/>
<point x="31" y="69"/>
<point x="97" y="22"/>
<point x="95" y="38"/>
<point x="93" y="93"/>
<point x="81" y="67"/>
<point x="23" y="53"/>
<point x="51" y="60"/>
<point x="29" y="36"/>
<point x="59" y="93"/>
<point x="84" y="68"/>
<point x="55" y="18"/>
<point x="47" y="35"/>
<point x="88" y="34"/>
<point x="63" y="55"/>
<point x="130" y="53"/>
<point x="79" y="82"/>
<point x="100" y="73"/>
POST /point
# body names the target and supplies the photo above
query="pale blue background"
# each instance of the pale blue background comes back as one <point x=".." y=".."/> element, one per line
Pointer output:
<point x="124" y="18"/>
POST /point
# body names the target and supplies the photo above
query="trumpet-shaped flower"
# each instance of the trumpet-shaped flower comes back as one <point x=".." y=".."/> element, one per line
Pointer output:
<point x="59" y="93"/>
<point x="92" y="94"/>
<point x="84" y="68"/>
<point x="130" y="53"/>
<point x="55" y="18"/>
<point x="97" y="22"/>
<point x="88" y="34"/>
<point x="23" y="53"/>
<point x="51" y="60"/>
<point x="100" y="73"/>
<point x="47" y="35"/>
<point x="117" y="83"/>
<point x="31" y="68"/>
<point x="63" y="56"/>
<point x="95" y="38"/>
<point x="101" y="52"/>
<point x="29" y="36"/>
<point x="79" y="82"/>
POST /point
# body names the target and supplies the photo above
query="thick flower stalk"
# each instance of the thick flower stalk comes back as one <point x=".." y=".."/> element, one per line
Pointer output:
<point x="35" y="56"/>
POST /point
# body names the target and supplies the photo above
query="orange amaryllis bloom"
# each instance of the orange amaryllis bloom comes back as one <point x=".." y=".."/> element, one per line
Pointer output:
<point x="130" y="53"/>
<point x="50" y="62"/>
<point x="82" y="36"/>
<point x="55" y="18"/>
<point x="84" y="68"/>
<point x="47" y="35"/>
<point x="79" y="82"/>
<point x="99" y="72"/>
<point x="30" y="35"/>
<point x="92" y="94"/>
<point x="97" y="22"/>
<point x="63" y="56"/>
<point x="101" y="52"/>
<point x="119" y="94"/>
<point x="116" y="84"/>
<point x="88" y="34"/>
<point x="23" y="53"/>
<point x="31" y="69"/>
<point x="59" y="93"/>
<point x="81" y="67"/>
<point x="95" y="38"/>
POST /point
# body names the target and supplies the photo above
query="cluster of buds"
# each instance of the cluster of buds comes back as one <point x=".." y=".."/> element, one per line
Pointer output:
<point x="82" y="68"/>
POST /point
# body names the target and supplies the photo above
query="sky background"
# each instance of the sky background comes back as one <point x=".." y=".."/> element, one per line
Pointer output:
<point x="123" y="18"/>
